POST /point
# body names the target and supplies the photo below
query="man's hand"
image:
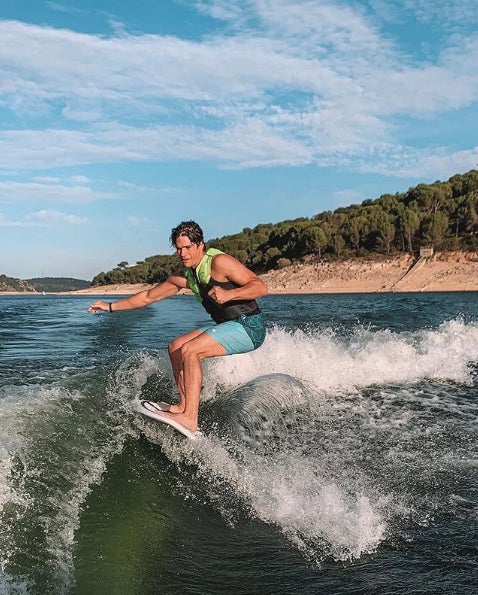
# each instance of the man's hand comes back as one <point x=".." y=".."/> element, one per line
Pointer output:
<point x="219" y="294"/>
<point x="247" y="284"/>
<point x="99" y="306"/>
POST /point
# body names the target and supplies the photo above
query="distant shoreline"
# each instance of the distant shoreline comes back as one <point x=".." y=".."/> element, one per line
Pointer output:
<point x="446" y="271"/>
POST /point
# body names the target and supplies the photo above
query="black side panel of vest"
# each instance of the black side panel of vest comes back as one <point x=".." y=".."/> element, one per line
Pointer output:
<point x="230" y="311"/>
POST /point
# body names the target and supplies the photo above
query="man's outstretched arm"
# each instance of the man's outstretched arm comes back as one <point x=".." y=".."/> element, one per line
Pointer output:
<point x="143" y="298"/>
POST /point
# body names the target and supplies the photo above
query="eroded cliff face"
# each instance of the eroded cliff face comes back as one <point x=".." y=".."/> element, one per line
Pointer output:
<point x="10" y="284"/>
<point x="444" y="271"/>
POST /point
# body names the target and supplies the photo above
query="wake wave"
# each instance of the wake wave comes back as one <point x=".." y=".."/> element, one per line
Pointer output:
<point x="331" y="362"/>
<point x="334" y="439"/>
<point x="54" y="446"/>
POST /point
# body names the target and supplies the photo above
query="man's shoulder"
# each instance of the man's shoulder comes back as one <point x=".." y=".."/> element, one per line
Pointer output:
<point x="224" y="261"/>
<point x="213" y="252"/>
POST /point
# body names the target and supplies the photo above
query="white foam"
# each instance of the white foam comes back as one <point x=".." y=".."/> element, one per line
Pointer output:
<point x="16" y="405"/>
<point x="133" y="373"/>
<point x="319" y="510"/>
<point x="40" y="427"/>
<point x="313" y="484"/>
<point x="11" y="586"/>
<point x="330" y="362"/>
<point x="319" y="516"/>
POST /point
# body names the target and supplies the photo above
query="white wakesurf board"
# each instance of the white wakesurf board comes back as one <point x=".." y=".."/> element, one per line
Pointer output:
<point x="154" y="411"/>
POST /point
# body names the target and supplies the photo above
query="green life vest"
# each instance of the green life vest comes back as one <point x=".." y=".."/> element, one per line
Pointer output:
<point x="202" y="274"/>
<point x="200" y="282"/>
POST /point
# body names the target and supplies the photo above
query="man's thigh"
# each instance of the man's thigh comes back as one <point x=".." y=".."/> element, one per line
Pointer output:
<point x="232" y="336"/>
<point x="204" y="345"/>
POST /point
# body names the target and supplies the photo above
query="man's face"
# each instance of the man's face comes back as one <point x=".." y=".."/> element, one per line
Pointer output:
<point x="189" y="253"/>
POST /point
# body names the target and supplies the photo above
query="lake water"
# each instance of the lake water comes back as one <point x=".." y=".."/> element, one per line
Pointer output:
<point x="340" y="457"/>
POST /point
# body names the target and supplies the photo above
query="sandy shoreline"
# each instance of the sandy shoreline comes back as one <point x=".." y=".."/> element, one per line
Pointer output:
<point x="457" y="271"/>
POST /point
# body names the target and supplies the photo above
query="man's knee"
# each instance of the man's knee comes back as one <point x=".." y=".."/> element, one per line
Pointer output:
<point x="173" y="346"/>
<point x="176" y="345"/>
<point x="193" y="350"/>
<point x="188" y="350"/>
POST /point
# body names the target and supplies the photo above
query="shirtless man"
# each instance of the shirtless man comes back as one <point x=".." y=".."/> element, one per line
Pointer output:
<point x="227" y="290"/>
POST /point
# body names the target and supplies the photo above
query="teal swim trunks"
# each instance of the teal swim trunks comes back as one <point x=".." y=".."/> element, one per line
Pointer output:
<point x="241" y="335"/>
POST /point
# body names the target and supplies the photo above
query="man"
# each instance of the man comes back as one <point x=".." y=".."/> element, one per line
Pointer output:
<point x="227" y="290"/>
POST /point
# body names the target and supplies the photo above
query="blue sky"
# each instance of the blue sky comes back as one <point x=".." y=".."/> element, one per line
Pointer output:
<point x="120" y="119"/>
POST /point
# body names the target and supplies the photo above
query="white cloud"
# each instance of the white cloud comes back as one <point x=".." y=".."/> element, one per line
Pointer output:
<point x="80" y="113"/>
<point x="43" y="218"/>
<point x="326" y="137"/>
<point x="120" y="75"/>
<point x="138" y="221"/>
<point x="46" y="179"/>
<point x="59" y="7"/>
<point x="451" y="11"/>
<point x="435" y="163"/>
<point x="6" y="223"/>
<point x="251" y="143"/>
<point x="13" y="192"/>
<point x="299" y="82"/>
<point x="447" y="13"/>
<point x="132" y="187"/>
<point x="49" y="217"/>
<point x="222" y="10"/>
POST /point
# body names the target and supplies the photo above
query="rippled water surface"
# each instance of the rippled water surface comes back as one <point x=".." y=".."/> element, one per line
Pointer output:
<point x="340" y="457"/>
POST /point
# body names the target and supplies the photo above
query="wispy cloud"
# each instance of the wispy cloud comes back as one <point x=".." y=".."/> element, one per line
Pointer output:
<point x="47" y="217"/>
<point x="43" y="218"/>
<point x="59" y="7"/>
<point x="450" y="12"/>
<point x="132" y="187"/>
<point x="252" y="143"/>
<point x="137" y="221"/>
<point x="406" y="161"/>
<point x="80" y="179"/>
<point x="48" y="192"/>
<point x="244" y="11"/>
<point x="5" y="222"/>
<point x="297" y="83"/>
<point x="223" y="11"/>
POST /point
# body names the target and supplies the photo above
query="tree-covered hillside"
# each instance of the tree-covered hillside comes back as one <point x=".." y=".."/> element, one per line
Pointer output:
<point x="442" y="214"/>
<point x="53" y="284"/>
<point x="40" y="284"/>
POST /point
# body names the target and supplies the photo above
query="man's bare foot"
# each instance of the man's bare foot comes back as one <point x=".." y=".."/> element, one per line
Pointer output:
<point x="190" y="423"/>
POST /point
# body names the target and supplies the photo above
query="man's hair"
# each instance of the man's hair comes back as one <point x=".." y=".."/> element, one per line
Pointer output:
<point x="190" y="229"/>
